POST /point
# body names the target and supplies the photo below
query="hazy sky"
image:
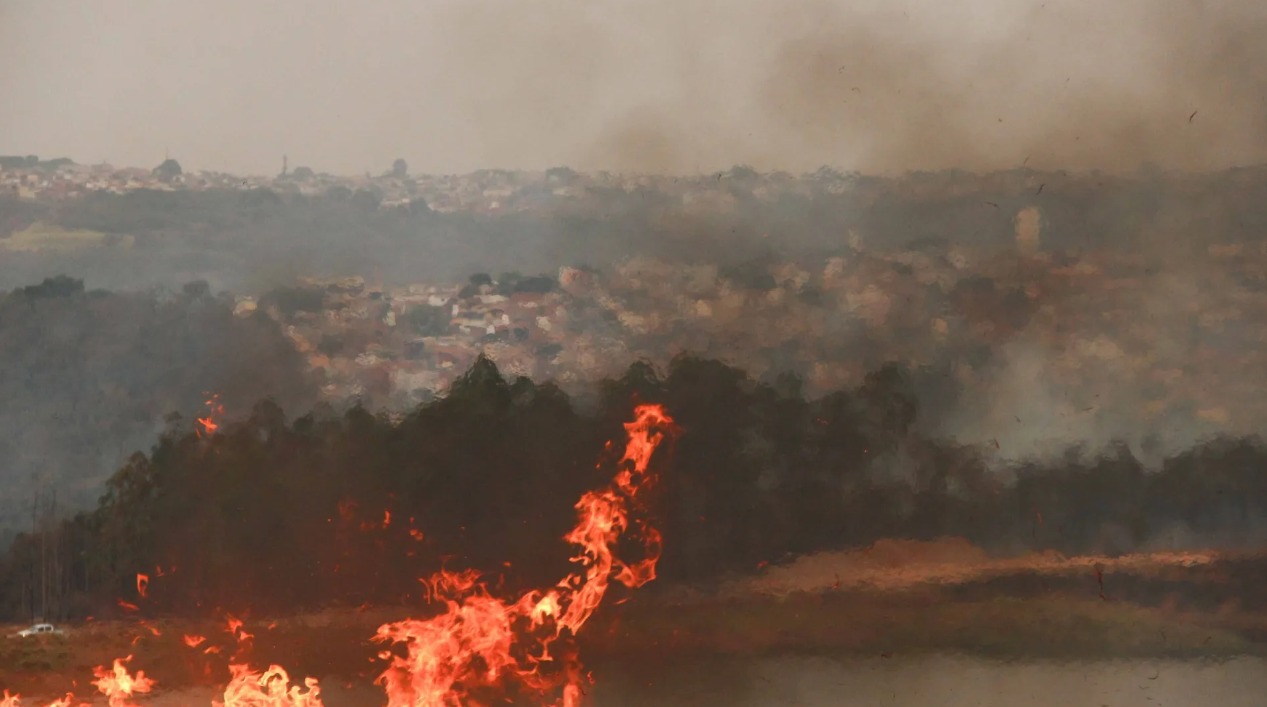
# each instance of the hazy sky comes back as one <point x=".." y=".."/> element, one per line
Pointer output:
<point x="647" y="85"/>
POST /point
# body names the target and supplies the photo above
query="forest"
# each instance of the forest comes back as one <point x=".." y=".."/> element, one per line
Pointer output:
<point x="87" y="376"/>
<point x="274" y="514"/>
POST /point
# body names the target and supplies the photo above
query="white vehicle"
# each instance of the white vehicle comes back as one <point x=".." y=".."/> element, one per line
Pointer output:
<point x="40" y="630"/>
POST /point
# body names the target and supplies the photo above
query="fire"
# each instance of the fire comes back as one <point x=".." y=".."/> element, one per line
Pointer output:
<point x="272" y="689"/>
<point x="215" y="411"/>
<point x="118" y="686"/>
<point x="8" y="699"/>
<point x="481" y="642"/>
<point x="480" y="645"/>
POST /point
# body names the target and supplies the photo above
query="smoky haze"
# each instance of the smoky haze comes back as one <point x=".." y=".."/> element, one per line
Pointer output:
<point x="637" y="86"/>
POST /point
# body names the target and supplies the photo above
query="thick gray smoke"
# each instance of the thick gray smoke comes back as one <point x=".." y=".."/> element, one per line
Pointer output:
<point x="655" y="85"/>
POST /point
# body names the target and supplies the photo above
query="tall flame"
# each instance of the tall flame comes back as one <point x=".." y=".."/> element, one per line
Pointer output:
<point x="481" y="642"/>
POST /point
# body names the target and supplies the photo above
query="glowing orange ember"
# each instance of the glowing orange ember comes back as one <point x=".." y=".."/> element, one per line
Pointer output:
<point x="142" y="584"/>
<point x="194" y="641"/>
<point x="215" y="411"/>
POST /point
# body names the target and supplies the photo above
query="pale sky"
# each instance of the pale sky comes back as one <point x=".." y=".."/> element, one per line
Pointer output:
<point x="649" y="85"/>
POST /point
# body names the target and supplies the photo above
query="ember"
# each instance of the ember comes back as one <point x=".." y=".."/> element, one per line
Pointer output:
<point x="215" y="411"/>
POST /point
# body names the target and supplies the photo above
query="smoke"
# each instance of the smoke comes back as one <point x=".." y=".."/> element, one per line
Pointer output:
<point x="654" y="86"/>
<point x="1077" y="85"/>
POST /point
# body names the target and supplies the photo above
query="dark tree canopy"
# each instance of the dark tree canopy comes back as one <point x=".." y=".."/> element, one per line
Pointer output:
<point x="168" y="170"/>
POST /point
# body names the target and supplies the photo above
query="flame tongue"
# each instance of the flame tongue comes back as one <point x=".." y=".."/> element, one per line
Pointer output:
<point x="118" y="686"/>
<point x="272" y="689"/>
<point x="481" y="646"/>
<point x="483" y="642"/>
<point x="211" y="423"/>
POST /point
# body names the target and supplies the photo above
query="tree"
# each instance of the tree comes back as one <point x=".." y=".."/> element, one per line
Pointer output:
<point x="168" y="171"/>
<point x="400" y="169"/>
<point x="428" y="320"/>
<point x="59" y="286"/>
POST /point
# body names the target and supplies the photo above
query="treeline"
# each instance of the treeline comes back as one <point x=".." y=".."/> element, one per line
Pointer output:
<point x="278" y="515"/>
<point x="87" y="376"/>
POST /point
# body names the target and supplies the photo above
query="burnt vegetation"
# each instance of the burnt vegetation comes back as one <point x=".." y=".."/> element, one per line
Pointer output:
<point x="277" y="515"/>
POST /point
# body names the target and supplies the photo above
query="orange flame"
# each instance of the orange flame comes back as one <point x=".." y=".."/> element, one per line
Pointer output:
<point x="7" y="699"/>
<point x="482" y="642"/>
<point x="118" y="686"/>
<point x="272" y="689"/>
<point x="142" y="584"/>
<point x="215" y="411"/>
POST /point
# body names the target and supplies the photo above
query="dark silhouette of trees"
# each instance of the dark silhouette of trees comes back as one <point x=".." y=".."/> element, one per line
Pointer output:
<point x="168" y="171"/>
<point x="276" y="514"/>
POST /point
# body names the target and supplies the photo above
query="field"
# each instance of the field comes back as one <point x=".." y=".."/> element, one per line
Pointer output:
<point x="43" y="237"/>
<point x="899" y="602"/>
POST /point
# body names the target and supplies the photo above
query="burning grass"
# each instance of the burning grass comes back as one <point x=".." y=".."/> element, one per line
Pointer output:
<point x="472" y="646"/>
<point x="475" y="648"/>
<point x="334" y="644"/>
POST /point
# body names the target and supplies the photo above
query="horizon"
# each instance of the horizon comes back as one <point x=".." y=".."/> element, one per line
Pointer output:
<point x="649" y="87"/>
<point x="380" y="172"/>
